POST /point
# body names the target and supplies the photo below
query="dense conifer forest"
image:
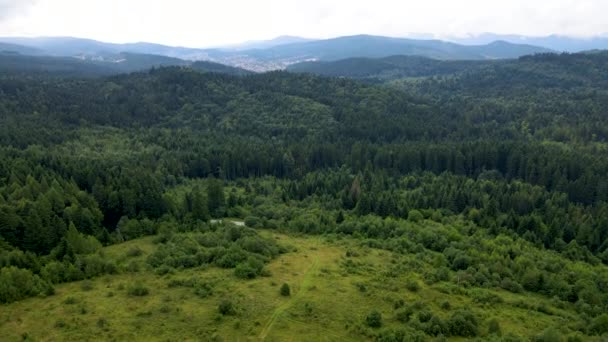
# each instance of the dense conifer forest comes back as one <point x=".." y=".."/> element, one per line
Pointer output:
<point x="482" y="182"/>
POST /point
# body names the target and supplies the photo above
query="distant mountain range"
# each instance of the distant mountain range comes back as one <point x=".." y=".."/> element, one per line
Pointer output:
<point x="553" y="42"/>
<point x="80" y="47"/>
<point x="15" y="48"/>
<point x="281" y="52"/>
<point x="274" y="54"/>
<point x="376" y="47"/>
<point x="15" y="63"/>
<point x="537" y="71"/>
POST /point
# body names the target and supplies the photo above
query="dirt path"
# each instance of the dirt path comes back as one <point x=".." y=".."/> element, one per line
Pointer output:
<point x="304" y="286"/>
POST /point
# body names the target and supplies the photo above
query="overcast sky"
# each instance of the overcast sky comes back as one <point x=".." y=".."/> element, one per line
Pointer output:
<point x="201" y="23"/>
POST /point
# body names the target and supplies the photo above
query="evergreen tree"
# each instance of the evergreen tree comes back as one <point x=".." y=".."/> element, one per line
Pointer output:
<point x="199" y="206"/>
<point x="215" y="197"/>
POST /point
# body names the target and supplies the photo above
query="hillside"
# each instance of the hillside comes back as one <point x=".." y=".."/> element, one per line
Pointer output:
<point x="7" y="48"/>
<point x="12" y="64"/>
<point x="66" y="66"/>
<point x="70" y="47"/>
<point x="205" y="66"/>
<point x="488" y="78"/>
<point x="335" y="286"/>
<point x="462" y="205"/>
<point x="388" y="68"/>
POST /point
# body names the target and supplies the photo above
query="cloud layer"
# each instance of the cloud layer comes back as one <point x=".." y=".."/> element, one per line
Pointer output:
<point x="206" y="22"/>
<point x="9" y="8"/>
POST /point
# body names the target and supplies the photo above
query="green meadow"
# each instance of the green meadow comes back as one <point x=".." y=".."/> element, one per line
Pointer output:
<point x="335" y="283"/>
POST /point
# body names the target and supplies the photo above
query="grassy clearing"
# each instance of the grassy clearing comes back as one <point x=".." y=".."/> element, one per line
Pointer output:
<point x="331" y="295"/>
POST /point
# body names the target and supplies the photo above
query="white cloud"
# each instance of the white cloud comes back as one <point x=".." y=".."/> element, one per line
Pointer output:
<point x="204" y="23"/>
<point x="10" y="8"/>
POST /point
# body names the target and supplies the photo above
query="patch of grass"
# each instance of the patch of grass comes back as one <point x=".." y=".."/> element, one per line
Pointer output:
<point x="86" y="285"/>
<point x="201" y="304"/>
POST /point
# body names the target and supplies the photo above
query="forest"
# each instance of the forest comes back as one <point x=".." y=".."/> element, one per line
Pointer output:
<point x="481" y="181"/>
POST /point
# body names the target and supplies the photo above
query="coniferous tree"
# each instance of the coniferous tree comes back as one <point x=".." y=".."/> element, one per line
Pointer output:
<point x="215" y="197"/>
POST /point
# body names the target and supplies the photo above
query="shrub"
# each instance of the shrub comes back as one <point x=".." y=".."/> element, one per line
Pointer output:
<point x="54" y="272"/>
<point x="544" y="309"/>
<point x="415" y="216"/>
<point x="436" y="327"/>
<point x="226" y="307"/>
<point x="164" y="269"/>
<point x="60" y="323"/>
<point x="425" y="316"/>
<point x="413" y="286"/>
<point x="249" y="269"/>
<point x="442" y="274"/>
<point x="374" y="319"/>
<point x="463" y="323"/>
<point x="485" y="297"/>
<point x="252" y="221"/>
<point x="445" y="305"/>
<point x="404" y="314"/>
<point x="102" y="322"/>
<point x="549" y="335"/>
<point x="532" y="280"/>
<point x="132" y="267"/>
<point x="599" y="325"/>
<point x="494" y="327"/>
<point x="285" y="291"/>
<point x="400" y="334"/>
<point x="511" y="285"/>
<point x="138" y="290"/>
<point x="461" y="262"/>
<point x="134" y="252"/>
<point x="17" y="284"/>
<point x="203" y="290"/>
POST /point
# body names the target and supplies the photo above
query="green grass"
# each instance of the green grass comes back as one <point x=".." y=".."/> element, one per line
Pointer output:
<point x="330" y="298"/>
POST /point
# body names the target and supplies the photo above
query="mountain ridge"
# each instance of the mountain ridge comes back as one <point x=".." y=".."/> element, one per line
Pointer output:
<point x="282" y="55"/>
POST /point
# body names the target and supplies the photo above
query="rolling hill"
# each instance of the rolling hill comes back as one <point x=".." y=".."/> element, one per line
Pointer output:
<point x="7" y="48"/>
<point x="13" y="63"/>
<point x="387" y="68"/>
<point x="70" y="46"/>
<point x="527" y="72"/>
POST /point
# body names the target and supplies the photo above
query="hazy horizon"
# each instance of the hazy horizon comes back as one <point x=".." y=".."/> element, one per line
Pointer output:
<point x="190" y="23"/>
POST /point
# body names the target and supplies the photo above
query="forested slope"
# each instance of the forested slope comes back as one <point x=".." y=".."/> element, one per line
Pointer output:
<point x="512" y="150"/>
